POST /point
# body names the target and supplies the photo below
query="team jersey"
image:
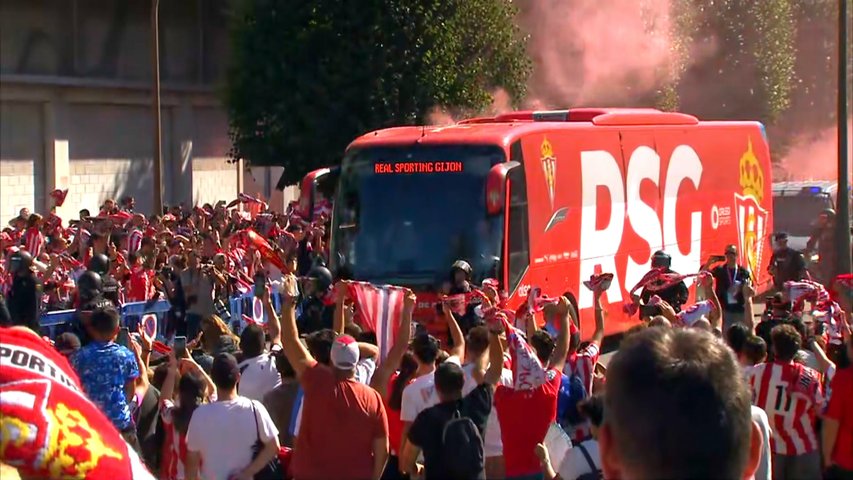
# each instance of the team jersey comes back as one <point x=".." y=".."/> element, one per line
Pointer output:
<point x="34" y="241"/>
<point x="134" y="241"/>
<point x="791" y="395"/>
<point x="139" y="287"/>
<point x="582" y="363"/>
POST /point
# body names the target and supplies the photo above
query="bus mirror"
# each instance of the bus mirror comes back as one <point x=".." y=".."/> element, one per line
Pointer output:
<point x="496" y="187"/>
<point x="306" y="192"/>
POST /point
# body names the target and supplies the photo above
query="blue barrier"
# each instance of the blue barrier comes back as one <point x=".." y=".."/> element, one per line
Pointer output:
<point x="131" y="313"/>
<point x="245" y="302"/>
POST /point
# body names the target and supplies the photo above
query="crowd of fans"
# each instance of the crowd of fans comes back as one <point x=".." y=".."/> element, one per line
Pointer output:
<point x="695" y="391"/>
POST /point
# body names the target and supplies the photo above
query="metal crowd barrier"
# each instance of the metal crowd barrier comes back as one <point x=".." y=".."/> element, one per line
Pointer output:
<point x="131" y="313"/>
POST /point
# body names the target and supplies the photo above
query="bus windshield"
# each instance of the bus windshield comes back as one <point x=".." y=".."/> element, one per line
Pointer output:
<point x="403" y="215"/>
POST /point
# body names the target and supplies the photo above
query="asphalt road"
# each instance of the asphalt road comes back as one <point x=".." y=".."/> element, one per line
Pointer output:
<point x="610" y="346"/>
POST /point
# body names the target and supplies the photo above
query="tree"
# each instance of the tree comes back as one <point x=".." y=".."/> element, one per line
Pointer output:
<point x="306" y="78"/>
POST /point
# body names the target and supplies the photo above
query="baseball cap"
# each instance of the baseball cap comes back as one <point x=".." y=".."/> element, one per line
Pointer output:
<point x="731" y="249"/>
<point x="344" y="352"/>
<point x="225" y="370"/>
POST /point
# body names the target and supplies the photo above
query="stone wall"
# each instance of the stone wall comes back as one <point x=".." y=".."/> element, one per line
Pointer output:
<point x="213" y="180"/>
<point x="21" y="157"/>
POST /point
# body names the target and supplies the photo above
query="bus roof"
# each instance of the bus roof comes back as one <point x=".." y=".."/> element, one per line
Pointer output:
<point x="506" y="128"/>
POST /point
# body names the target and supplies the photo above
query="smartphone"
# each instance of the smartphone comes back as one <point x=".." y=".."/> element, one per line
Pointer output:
<point x="123" y="338"/>
<point x="260" y="285"/>
<point x="180" y="347"/>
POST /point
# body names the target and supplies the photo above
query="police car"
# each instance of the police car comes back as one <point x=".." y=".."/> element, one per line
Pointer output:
<point x="797" y="205"/>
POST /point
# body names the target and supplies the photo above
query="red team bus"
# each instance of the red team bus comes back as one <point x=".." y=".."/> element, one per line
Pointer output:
<point x="547" y="199"/>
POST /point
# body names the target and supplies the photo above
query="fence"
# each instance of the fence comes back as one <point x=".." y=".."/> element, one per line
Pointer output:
<point x="132" y="312"/>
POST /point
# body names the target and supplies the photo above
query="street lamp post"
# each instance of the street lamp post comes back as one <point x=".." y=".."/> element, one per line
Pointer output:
<point x="842" y="218"/>
<point x="155" y="106"/>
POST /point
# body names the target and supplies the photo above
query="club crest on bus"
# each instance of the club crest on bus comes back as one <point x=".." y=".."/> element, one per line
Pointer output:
<point x="751" y="217"/>
<point x="549" y="168"/>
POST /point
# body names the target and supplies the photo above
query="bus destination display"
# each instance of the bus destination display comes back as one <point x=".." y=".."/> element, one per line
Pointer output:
<point x="417" y="167"/>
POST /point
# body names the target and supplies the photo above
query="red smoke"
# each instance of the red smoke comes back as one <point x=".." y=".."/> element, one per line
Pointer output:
<point x="501" y="103"/>
<point x="439" y="117"/>
<point x="589" y="52"/>
<point x="813" y="156"/>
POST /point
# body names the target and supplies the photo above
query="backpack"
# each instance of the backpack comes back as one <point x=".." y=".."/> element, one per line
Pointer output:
<point x="462" y="454"/>
<point x="595" y="474"/>
<point x="572" y="391"/>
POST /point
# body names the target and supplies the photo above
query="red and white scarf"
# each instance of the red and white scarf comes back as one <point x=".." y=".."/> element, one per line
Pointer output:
<point x="527" y="371"/>
<point x="799" y="292"/>
<point x="656" y="280"/>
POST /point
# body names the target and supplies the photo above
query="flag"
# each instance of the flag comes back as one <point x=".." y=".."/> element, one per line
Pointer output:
<point x="58" y="196"/>
<point x="51" y="429"/>
<point x="266" y="251"/>
<point x="380" y="309"/>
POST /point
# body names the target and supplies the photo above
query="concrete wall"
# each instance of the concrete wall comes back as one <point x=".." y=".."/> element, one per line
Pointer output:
<point x="22" y="155"/>
<point x="75" y="103"/>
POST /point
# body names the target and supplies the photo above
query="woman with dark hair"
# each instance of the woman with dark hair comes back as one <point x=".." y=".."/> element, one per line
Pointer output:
<point x="194" y="387"/>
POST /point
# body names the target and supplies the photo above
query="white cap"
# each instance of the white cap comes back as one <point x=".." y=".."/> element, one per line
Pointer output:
<point x="344" y="352"/>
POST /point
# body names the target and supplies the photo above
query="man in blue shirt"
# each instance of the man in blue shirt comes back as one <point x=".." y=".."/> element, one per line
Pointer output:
<point x="107" y="372"/>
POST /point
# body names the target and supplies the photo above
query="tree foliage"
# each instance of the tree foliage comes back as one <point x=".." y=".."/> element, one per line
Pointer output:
<point x="773" y="60"/>
<point x="308" y="77"/>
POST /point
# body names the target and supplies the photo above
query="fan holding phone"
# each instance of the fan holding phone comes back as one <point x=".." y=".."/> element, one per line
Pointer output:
<point x="733" y="288"/>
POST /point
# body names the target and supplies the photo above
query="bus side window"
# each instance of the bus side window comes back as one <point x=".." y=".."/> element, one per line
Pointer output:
<point x="519" y="239"/>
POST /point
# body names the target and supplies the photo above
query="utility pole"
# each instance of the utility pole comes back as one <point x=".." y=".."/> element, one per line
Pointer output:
<point x="842" y="218"/>
<point x="155" y="106"/>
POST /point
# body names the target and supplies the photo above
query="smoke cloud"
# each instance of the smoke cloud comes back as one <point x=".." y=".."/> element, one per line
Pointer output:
<point x="591" y="53"/>
<point x="813" y="156"/>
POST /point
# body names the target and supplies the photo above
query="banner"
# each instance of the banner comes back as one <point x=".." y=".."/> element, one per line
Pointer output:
<point x="266" y="251"/>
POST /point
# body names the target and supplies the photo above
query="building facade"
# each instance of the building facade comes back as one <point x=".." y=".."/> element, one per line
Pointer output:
<point x="75" y="105"/>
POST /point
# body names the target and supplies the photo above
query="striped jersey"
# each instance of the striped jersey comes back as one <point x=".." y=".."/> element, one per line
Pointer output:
<point x="34" y="241"/>
<point x="134" y="241"/>
<point x="791" y="395"/>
